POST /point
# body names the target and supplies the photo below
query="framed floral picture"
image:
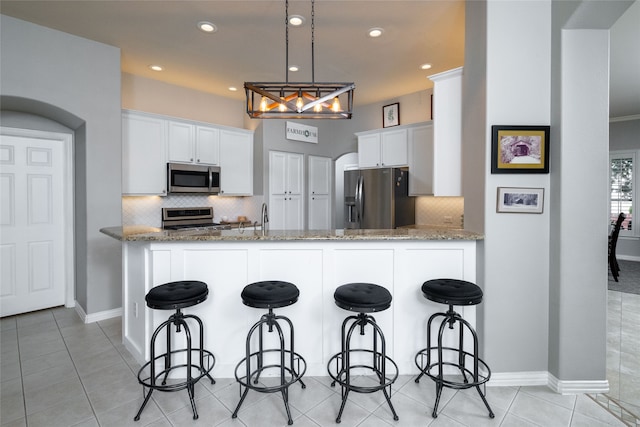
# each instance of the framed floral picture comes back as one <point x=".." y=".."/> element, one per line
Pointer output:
<point x="391" y="115"/>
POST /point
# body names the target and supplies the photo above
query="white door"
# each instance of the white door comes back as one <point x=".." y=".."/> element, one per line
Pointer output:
<point x="33" y="221"/>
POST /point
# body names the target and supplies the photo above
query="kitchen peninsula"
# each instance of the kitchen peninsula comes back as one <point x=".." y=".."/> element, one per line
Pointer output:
<point x="316" y="261"/>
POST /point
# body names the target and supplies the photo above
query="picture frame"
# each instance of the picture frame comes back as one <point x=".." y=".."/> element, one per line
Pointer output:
<point x="519" y="149"/>
<point x="520" y="200"/>
<point x="391" y="115"/>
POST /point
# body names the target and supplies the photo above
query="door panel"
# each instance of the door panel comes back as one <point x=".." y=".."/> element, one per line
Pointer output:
<point x="32" y="224"/>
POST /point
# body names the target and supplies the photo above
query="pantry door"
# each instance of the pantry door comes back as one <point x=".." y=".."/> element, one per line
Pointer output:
<point x="35" y="220"/>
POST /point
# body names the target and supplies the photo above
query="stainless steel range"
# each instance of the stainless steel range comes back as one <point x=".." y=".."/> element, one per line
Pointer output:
<point x="190" y="219"/>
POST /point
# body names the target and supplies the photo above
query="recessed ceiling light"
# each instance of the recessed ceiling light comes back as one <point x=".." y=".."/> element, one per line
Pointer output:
<point x="425" y="66"/>
<point x="375" y="32"/>
<point x="207" y="27"/>
<point x="233" y="88"/>
<point x="296" y="20"/>
<point x="156" y="67"/>
<point x="294" y="68"/>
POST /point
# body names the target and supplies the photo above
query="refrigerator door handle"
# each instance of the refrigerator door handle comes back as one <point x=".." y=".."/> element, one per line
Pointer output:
<point x="359" y="200"/>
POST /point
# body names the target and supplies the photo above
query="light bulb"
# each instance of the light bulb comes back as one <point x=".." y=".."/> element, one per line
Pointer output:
<point x="282" y="106"/>
<point x="335" y="107"/>
<point x="299" y="102"/>
<point x="318" y="107"/>
<point x="263" y="104"/>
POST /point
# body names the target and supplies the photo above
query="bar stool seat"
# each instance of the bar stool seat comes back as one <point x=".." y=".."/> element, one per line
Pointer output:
<point x="470" y="369"/>
<point x="288" y="365"/>
<point x="176" y="296"/>
<point x="362" y="298"/>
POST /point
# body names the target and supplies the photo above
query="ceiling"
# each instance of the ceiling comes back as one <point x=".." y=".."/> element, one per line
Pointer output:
<point x="249" y="44"/>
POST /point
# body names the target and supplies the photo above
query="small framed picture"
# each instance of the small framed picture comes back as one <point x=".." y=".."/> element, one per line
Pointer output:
<point x="519" y="149"/>
<point x="391" y="115"/>
<point x="520" y="200"/>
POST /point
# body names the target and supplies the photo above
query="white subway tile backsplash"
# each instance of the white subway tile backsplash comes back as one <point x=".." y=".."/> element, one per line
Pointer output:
<point x="146" y="210"/>
<point x="440" y="211"/>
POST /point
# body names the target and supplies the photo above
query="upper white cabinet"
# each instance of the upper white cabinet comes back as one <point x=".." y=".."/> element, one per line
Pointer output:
<point x="319" y="199"/>
<point x="144" y="155"/>
<point x="236" y="163"/>
<point x="447" y="133"/>
<point x="189" y="143"/>
<point x="383" y="148"/>
<point x="421" y="160"/>
<point x="151" y="140"/>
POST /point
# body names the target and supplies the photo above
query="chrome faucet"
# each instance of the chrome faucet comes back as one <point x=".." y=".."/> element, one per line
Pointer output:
<point x="264" y="217"/>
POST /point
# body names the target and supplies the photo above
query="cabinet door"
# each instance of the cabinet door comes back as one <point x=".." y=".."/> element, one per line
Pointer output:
<point x="144" y="155"/>
<point x="181" y="137"/>
<point x="421" y="161"/>
<point x="319" y="212"/>
<point x="294" y="219"/>
<point x="319" y="175"/>
<point x="236" y="163"/>
<point x="394" y="151"/>
<point x="277" y="172"/>
<point x="277" y="211"/>
<point x="295" y="179"/>
<point x="207" y="145"/>
<point x="369" y="150"/>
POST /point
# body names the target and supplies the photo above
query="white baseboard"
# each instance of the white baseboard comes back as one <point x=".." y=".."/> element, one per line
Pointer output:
<point x="517" y="379"/>
<point x="628" y="257"/>
<point x="575" y="387"/>
<point x="96" y="317"/>
<point x="521" y="379"/>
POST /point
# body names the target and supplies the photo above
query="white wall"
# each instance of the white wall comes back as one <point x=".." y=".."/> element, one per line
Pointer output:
<point x="76" y="82"/>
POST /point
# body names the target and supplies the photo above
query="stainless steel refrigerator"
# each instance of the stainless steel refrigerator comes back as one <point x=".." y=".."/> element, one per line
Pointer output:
<point x="378" y="198"/>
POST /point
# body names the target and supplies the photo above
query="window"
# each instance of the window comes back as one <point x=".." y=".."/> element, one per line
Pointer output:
<point x="623" y="188"/>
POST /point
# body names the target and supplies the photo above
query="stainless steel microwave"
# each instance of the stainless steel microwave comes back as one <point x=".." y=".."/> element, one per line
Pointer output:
<point x="186" y="178"/>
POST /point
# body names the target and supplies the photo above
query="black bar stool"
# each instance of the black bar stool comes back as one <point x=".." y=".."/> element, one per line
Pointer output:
<point x="474" y="370"/>
<point x="176" y="296"/>
<point x="288" y="365"/>
<point x="363" y="298"/>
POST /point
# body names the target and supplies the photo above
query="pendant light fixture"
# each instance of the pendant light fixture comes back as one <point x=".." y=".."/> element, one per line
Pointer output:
<point x="299" y="100"/>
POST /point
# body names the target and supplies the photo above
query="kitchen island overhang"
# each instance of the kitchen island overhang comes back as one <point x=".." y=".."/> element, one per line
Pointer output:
<point x="316" y="261"/>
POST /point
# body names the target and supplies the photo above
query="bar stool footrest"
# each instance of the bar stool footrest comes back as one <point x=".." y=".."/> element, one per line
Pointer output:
<point x="295" y="374"/>
<point x="145" y="379"/>
<point x="483" y="375"/>
<point x="339" y="375"/>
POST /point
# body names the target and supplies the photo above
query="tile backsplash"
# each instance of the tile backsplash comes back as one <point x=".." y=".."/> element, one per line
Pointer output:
<point x="441" y="211"/>
<point x="146" y="210"/>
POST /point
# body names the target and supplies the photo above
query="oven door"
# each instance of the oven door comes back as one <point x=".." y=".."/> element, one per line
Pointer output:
<point x="183" y="178"/>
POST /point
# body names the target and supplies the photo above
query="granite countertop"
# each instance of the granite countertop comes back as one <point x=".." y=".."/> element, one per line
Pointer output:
<point x="154" y="234"/>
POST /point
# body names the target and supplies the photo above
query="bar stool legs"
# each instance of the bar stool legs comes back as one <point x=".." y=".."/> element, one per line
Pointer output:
<point x="379" y="361"/>
<point x="158" y="380"/>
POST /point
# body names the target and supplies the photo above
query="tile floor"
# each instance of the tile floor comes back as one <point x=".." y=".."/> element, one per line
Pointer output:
<point x="57" y="371"/>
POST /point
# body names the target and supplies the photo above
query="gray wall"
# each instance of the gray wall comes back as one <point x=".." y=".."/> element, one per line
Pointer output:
<point x="75" y="82"/>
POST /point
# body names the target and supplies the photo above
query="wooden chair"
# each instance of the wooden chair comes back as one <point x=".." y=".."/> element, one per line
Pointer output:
<point x="613" y="241"/>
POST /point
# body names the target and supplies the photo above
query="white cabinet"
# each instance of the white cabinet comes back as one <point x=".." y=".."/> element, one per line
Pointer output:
<point x="319" y="199"/>
<point x="144" y="155"/>
<point x="383" y="148"/>
<point x="236" y="163"/>
<point x="421" y="160"/>
<point x="189" y="143"/>
<point x="286" y="179"/>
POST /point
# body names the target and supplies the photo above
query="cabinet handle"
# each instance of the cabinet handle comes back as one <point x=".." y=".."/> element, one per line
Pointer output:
<point x="198" y="160"/>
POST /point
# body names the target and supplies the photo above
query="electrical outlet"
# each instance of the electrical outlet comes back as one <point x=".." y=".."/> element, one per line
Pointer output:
<point x="448" y="219"/>
<point x="135" y="310"/>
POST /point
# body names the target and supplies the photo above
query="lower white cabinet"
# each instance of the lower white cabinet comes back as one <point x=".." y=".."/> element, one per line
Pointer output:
<point x="236" y="163"/>
<point x="144" y="155"/>
<point x="319" y="212"/>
